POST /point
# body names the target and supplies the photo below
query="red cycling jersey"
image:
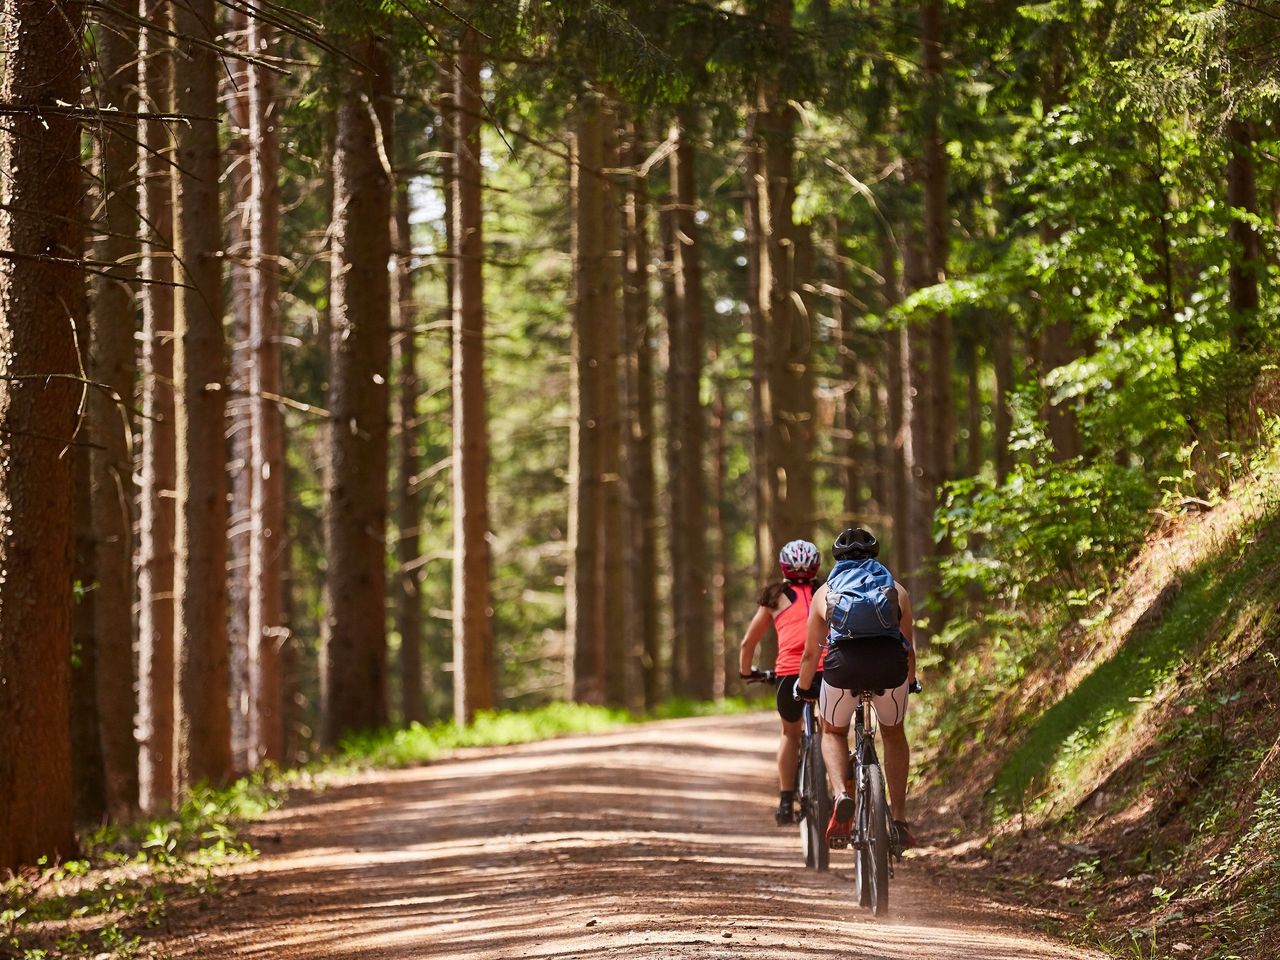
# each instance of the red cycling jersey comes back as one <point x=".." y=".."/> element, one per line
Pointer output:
<point x="790" y="625"/>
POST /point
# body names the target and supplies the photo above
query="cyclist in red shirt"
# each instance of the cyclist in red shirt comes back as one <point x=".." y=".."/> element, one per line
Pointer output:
<point x="786" y="604"/>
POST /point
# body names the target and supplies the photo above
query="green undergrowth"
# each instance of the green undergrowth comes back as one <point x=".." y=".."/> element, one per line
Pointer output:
<point x="105" y="903"/>
<point x="421" y="743"/>
<point x="1223" y="597"/>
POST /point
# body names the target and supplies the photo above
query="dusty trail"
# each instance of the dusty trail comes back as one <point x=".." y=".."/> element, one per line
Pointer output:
<point x="654" y="842"/>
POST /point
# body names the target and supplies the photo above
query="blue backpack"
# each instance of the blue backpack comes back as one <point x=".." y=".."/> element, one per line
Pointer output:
<point x="862" y="601"/>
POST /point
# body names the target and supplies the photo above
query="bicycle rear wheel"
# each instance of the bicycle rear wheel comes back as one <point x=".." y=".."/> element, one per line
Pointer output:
<point x="816" y="807"/>
<point x="877" y="837"/>
<point x="861" y="848"/>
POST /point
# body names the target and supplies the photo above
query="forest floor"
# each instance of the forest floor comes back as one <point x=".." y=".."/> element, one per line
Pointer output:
<point x="656" y="841"/>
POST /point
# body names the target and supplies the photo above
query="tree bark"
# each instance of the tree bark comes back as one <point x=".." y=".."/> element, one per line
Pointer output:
<point x="203" y="722"/>
<point x="88" y="774"/>
<point x="474" y="682"/>
<point x="158" y="473"/>
<point x="613" y="521"/>
<point x="761" y="385"/>
<point x="585" y="615"/>
<point x="267" y="628"/>
<point x="685" y="440"/>
<point x="112" y="364"/>
<point x="354" y="660"/>
<point x="408" y="595"/>
<point x="785" y="323"/>
<point x="41" y="304"/>
<point x="239" y="402"/>
<point x="1246" y="266"/>
<point x="640" y="468"/>
<point x="1002" y="361"/>
<point x="918" y="405"/>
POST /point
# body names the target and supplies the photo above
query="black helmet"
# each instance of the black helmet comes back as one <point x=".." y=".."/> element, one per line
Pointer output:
<point x="855" y="543"/>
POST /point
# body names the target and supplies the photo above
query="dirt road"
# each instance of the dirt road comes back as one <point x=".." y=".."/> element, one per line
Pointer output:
<point x="655" y="842"/>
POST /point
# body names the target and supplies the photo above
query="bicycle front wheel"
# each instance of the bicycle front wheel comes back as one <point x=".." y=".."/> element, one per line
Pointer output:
<point x="877" y="840"/>
<point x="816" y="806"/>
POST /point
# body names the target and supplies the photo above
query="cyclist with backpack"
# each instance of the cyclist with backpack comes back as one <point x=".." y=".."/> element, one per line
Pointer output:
<point x="863" y="616"/>
<point x="786" y="604"/>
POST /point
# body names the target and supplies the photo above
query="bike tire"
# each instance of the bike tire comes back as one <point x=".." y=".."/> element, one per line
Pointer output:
<point x="861" y="851"/>
<point x="878" y="840"/>
<point x="818" y="807"/>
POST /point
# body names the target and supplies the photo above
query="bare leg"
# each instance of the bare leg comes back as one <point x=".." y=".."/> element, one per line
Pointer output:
<point x="897" y="764"/>
<point x="835" y="751"/>
<point x="789" y="755"/>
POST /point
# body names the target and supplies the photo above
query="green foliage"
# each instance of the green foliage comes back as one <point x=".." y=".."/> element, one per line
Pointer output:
<point x="1050" y="534"/>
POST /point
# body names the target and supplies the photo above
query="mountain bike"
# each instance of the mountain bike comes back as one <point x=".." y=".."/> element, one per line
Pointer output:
<point x="873" y="837"/>
<point x="813" y="796"/>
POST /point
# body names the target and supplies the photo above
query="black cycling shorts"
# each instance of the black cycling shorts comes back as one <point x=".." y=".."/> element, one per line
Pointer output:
<point x="875" y="664"/>
<point x="789" y="708"/>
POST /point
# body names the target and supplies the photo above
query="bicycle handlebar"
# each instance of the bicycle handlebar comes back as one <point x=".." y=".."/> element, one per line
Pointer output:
<point x="761" y="676"/>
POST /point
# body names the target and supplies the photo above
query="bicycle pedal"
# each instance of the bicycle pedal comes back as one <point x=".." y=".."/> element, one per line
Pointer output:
<point x="838" y="843"/>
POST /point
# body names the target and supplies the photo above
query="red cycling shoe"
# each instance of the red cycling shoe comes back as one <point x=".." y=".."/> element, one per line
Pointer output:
<point x="841" y="822"/>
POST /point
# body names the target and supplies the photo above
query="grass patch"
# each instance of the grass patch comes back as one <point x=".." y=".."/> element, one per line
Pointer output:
<point x="422" y="743"/>
<point x="1078" y="732"/>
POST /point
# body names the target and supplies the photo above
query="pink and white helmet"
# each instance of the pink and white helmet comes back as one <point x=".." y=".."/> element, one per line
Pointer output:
<point x="799" y="560"/>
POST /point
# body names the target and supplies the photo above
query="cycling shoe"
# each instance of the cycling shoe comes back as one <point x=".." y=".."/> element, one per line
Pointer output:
<point x="903" y="838"/>
<point x="841" y="822"/>
<point x="784" y="815"/>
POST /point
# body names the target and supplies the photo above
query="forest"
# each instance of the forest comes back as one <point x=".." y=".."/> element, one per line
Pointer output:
<point x="372" y="363"/>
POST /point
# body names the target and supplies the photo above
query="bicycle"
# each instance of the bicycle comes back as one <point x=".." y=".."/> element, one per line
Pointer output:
<point x="813" y="796"/>
<point x="873" y="836"/>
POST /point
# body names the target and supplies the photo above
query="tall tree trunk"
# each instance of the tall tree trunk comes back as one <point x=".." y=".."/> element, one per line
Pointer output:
<point x="41" y="304"/>
<point x="721" y="614"/>
<point x="88" y="774"/>
<point x="973" y="406"/>
<point x="203" y="723"/>
<point x="1002" y="361"/>
<point x="938" y="455"/>
<point x="408" y="595"/>
<point x="158" y="474"/>
<point x="643" y="587"/>
<point x="585" y="615"/>
<point x="112" y="364"/>
<point x="613" y="520"/>
<point x="354" y="660"/>
<point x="918" y="405"/>
<point x="786" y="325"/>
<point x="761" y="385"/>
<point x="848" y="453"/>
<point x="267" y="627"/>
<point x="686" y="482"/>
<point x="239" y="403"/>
<point x="474" y="682"/>
<point x="1246" y="265"/>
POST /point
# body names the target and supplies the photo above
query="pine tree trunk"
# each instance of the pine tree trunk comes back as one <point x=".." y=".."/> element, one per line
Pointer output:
<point x="408" y="595"/>
<point x="721" y="613"/>
<point x="239" y="403"/>
<point x="585" y="621"/>
<point x="918" y="404"/>
<point x="849" y="453"/>
<point x="640" y="468"/>
<point x="1002" y="361"/>
<point x="613" y="522"/>
<point x="354" y="659"/>
<point x="939" y="455"/>
<point x="686" y="482"/>
<point x="112" y="363"/>
<point x="158" y="474"/>
<point x="973" y="407"/>
<point x="1246" y="264"/>
<point x="267" y="627"/>
<point x="39" y="306"/>
<point x="788" y="337"/>
<point x="761" y="385"/>
<point x="203" y="723"/>
<point x="474" y="682"/>
<point x="88" y="773"/>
